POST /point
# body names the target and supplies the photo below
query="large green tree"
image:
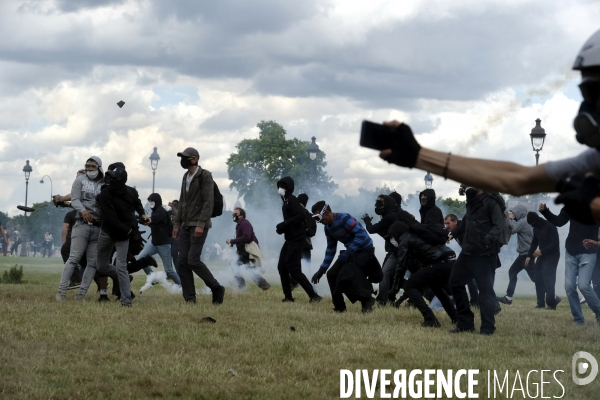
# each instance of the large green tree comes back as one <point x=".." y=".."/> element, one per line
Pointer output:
<point x="260" y="163"/>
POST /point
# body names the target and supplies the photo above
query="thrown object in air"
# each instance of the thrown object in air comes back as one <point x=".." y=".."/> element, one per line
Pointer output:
<point x="292" y="328"/>
<point x="121" y="104"/>
<point x="232" y="372"/>
<point x="26" y="209"/>
<point x="209" y="320"/>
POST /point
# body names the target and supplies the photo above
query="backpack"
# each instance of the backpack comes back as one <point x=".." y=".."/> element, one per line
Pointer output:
<point x="217" y="201"/>
<point x="311" y="224"/>
<point x="506" y="229"/>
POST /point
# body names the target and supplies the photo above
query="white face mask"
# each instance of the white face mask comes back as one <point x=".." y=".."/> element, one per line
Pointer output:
<point x="393" y="242"/>
<point x="92" y="174"/>
<point x="151" y="204"/>
<point x="281" y="191"/>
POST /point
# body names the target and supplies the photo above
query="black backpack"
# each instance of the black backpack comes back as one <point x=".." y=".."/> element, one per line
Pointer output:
<point x="311" y="224"/>
<point x="218" y="200"/>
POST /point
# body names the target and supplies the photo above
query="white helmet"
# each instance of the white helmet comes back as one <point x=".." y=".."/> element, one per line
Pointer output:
<point x="589" y="55"/>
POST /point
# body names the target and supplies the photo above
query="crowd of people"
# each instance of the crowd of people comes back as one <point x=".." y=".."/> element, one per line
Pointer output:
<point x="419" y="260"/>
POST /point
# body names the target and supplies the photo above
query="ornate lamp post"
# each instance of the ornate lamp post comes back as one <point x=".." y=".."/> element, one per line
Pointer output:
<point x="428" y="181"/>
<point x="27" y="170"/>
<point x="154" y="158"/>
<point x="538" y="137"/>
<point x="313" y="149"/>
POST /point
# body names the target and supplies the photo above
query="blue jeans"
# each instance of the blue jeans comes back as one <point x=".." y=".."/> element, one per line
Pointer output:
<point x="164" y="252"/>
<point x="578" y="274"/>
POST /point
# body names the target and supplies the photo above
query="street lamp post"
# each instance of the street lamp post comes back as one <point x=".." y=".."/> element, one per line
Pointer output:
<point x="27" y="170"/>
<point x="428" y="181"/>
<point x="313" y="149"/>
<point x="154" y="158"/>
<point x="538" y="137"/>
<point x="42" y="181"/>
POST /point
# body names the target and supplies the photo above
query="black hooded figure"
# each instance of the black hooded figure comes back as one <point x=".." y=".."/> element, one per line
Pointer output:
<point x="118" y="204"/>
<point x="311" y="230"/>
<point x="293" y="228"/>
<point x="545" y="248"/>
<point x="430" y="213"/>
<point x="386" y="207"/>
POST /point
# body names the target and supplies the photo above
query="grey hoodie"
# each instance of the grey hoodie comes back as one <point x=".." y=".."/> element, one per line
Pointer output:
<point x="523" y="230"/>
<point x="85" y="190"/>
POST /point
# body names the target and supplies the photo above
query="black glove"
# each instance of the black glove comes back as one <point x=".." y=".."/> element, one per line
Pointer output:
<point x="318" y="275"/>
<point x="405" y="148"/>
<point x="367" y="219"/>
<point x="577" y="195"/>
<point x="280" y="228"/>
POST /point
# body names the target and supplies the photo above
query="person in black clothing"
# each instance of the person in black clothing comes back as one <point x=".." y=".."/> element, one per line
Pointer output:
<point x="293" y="228"/>
<point x="311" y="230"/>
<point x="430" y="266"/>
<point x="430" y="213"/>
<point x="451" y="222"/>
<point x="481" y="226"/>
<point x="545" y="248"/>
<point x="385" y="206"/>
<point x="579" y="262"/>
<point x="118" y="203"/>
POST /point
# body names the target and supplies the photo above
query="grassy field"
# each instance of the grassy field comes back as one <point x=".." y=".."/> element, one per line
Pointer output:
<point x="161" y="349"/>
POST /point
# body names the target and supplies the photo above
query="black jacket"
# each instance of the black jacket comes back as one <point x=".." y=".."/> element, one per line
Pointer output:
<point x="388" y="217"/>
<point x="430" y="213"/>
<point x="413" y="253"/>
<point x="481" y="226"/>
<point x="577" y="231"/>
<point x="545" y="236"/>
<point x="118" y="207"/>
<point x="294" y="226"/>
<point x="160" y="222"/>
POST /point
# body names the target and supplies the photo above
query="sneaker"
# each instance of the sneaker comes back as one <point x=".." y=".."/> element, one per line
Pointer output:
<point x="128" y="305"/>
<point x="504" y="300"/>
<point x="288" y="300"/>
<point x="459" y="330"/>
<point x="218" y="294"/>
<point x="315" y="299"/>
<point x="368" y="306"/>
<point x="103" y="298"/>
<point x="73" y="285"/>
<point x="265" y="288"/>
<point x="61" y="296"/>
<point x="539" y="306"/>
<point x="486" y="333"/>
<point x="151" y="261"/>
<point x="431" y="323"/>
<point x="557" y="300"/>
<point x="339" y="310"/>
<point x="191" y="300"/>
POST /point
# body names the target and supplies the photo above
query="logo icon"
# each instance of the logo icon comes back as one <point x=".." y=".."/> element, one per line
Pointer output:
<point x="582" y="367"/>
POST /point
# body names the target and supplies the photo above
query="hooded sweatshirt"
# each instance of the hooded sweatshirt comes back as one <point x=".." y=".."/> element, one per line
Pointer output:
<point x="388" y="217"/>
<point x="159" y="226"/>
<point x="293" y="213"/>
<point x="430" y="213"/>
<point x="85" y="190"/>
<point x="523" y="230"/>
<point x="545" y="236"/>
<point x="577" y="231"/>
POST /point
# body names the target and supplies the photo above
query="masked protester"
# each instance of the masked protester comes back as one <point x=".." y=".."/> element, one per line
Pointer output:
<point x="430" y="213"/>
<point x="248" y="251"/>
<point x="403" y="216"/>
<point x="579" y="262"/>
<point x="192" y="223"/>
<point x="520" y="227"/>
<point x="385" y="206"/>
<point x="430" y="266"/>
<point x="545" y="248"/>
<point x="85" y="232"/>
<point x="482" y="227"/>
<point x="293" y="228"/>
<point x="118" y="204"/>
<point x="161" y="234"/>
<point x="352" y="272"/>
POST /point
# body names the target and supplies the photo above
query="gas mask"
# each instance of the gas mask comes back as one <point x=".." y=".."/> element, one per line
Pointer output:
<point x="281" y="192"/>
<point x="185" y="162"/>
<point x="92" y="174"/>
<point x="587" y="125"/>
<point x="379" y="207"/>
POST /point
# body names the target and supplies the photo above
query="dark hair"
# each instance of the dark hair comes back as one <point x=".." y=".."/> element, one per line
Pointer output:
<point x="452" y="217"/>
<point x="241" y="210"/>
<point x="318" y="206"/>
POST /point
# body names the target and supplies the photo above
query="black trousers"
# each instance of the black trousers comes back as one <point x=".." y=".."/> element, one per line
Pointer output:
<point x="483" y="270"/>
<point x="436" y="277"/>
<point x="290" y="264"/>
<point x="175" y="253"/>
<point x="517" y="266"/>
<point x="545" y="279"/>
<point x="190" y="250"/>
<point x="306" y="257"/>
<point x="359" y="260"/>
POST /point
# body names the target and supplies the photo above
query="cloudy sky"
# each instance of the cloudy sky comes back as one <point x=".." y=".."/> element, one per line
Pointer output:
<point x="469" y="76"/>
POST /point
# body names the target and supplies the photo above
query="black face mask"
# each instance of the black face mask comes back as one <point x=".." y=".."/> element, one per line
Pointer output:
<point x="236" y="218"/>
<point x="379" y="207"/>
<point x="471" y="193"/>
<point x="587" y="125"/>
<point x="185" y="162"/>
<point x="424" y="202"/>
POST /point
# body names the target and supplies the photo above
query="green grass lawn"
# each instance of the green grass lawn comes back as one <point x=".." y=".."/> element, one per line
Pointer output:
<point x="161" y="349"/>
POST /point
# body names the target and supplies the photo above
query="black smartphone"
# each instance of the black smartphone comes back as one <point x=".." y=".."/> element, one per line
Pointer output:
<point x="376" y="136"/>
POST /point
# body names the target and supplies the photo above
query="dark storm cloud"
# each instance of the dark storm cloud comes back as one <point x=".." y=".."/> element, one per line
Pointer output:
<point x="76" y="5"/>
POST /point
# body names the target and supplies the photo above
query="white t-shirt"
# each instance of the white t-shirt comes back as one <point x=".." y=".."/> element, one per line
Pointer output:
<point x="588" y="161"/>
<point x="189" y="178"/>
